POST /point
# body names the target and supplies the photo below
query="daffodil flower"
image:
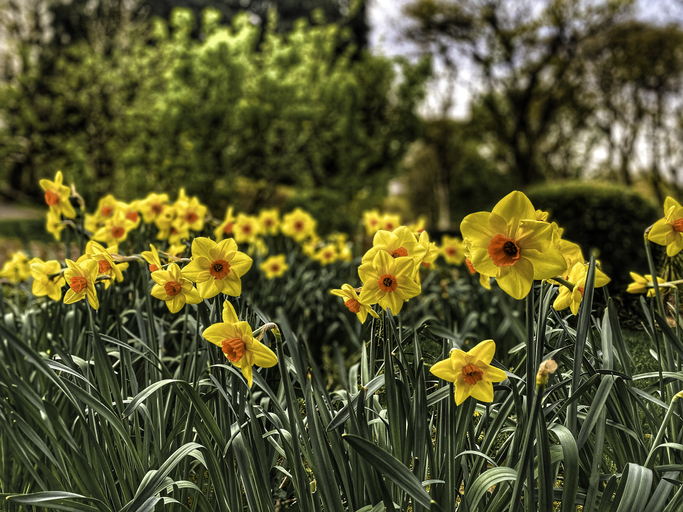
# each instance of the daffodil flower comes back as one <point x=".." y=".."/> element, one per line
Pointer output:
<point x="388" y="281"/>
<point x="398" y="243"/>
<point x="326" y="254"/>
<point x="390" y="221"/>
<point x="572" y="295"/>
<point x="431" y="250"/>
<point x="371" y="221"/>
<point x="275" y="266"/>
<point x="238" y="344"/>
<point x="81" y="279"/>
<point x="189" y="212"/>
<point x="57" y="196"/>
<point x="47" y="278"/>
<point x="54" y="224"/>
<point x="642" y="284"/>
<point x="106" y="264"/>
<point x="353" y="303"/>
<point x="298" y="225"/>
<point x="217" y="267"/>
<point x="452" y="250"/>
<point x="471" y="372"/>
<point x="512" y="246"/>
<point x="17" y="269"/>
<point x="174" y="289"/>
<point x="669" y="230"/>
<point x="246" y="228"/>
<point x="152" y="207"/>
<point x="115" y="229"/>
<point x="270" y="221"/>
<point x="152" y="259"/>
<point x="225" y="228"/>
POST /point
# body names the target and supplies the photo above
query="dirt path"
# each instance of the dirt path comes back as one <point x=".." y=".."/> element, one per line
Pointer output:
<point x="10" y="211"/>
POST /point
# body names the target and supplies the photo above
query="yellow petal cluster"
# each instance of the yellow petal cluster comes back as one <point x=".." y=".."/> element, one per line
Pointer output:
<point x="669" y="230"/>
<point x="471" y="372"/>
<point x="509" y="244"/>
<point x="353" y="303"/>
<point x="217" y="267"/>
<point x="275" y="266"/>
<point x="238" y="344"/>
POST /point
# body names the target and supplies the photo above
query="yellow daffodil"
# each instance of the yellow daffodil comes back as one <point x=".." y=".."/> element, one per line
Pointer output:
<point x="107" y="207"/>
<point x="93" y="223"/>
<point x="326" y="254"/>
<point x="238" y="344"/>
<point x="132" y="212"/>
<point x="471" y="372"/>
<point x="388" y="281"/>
<point x="81" y="279"/>
<point x="298" y="225"/>
<point x="190" y="211"/>
<point x="270" y="221"/>
<point x="275" y="266"/>
<point x="371" y="221"/>
<point x="174" y="289"/>
<point x="512" y="246"/>
<point x="152" y="207"/>
<point x="217" y="267"/>
<point x="418" y="226"/>
<point x="390" y="221"/>
<point x="17" y="269"/>
<point x="642" y="284"/>
<point x="246" y="228"/>
<point x="452" y="250"/>
<point x="669" y="230"/>
<point x="431" y="250"/>
<point x="571" y="297"/>
<point x="571" y="253"/>
<point x="57" y="196"/>
<point x="106" y="264"/>
<point x="164" y="222"/>
<point x="180" y="231"/>
<point x="54" y="224"/>
<point x="225" y="228"/>
<point x="47" y="278"/>
<point x="398" y="243"/>
<point x="115" y="229"/>
<point x="353" y="303"/>
<point x="152" y="258"/>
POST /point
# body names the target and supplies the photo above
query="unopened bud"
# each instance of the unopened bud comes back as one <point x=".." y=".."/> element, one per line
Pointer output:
<point x="544" y="369"/>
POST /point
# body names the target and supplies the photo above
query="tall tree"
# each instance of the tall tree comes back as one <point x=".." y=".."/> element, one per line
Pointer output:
<point x="530" y="61"/>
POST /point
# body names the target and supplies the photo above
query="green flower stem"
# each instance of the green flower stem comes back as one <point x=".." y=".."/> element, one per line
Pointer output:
<point x="649" y="462"/>
<point x="527" y="447"/>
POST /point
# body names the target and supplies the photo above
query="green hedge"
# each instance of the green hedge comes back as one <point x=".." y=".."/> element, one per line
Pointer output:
<point x="602" y="217"/>
<point x="163" y="110"/>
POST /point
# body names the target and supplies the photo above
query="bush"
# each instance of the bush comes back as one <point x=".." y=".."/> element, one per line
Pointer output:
<point x="164" y="109"/>
<point x="604" y="217"/>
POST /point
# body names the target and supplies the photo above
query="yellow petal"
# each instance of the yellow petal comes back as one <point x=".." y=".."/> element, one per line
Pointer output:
<point x="515" y="205"/>
<point x="229" y="313"/>
<point x="517" y="281"/>
<point x="444" y="370"/>
<point x="484" y="351"/>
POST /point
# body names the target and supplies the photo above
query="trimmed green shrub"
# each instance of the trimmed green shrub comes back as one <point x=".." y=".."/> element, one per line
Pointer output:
<point x="602" y="217"/>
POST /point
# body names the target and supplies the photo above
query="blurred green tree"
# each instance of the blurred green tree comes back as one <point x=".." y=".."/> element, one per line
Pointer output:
<point x="529" y="60"/>
<point x="160" y="109"/>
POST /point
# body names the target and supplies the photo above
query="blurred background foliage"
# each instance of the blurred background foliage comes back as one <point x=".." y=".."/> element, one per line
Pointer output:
<point x="282" y="103"/>
<point x="304" y="111"/>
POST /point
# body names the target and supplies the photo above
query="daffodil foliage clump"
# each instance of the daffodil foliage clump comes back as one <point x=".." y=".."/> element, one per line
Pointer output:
<point x="174" y="362"/>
